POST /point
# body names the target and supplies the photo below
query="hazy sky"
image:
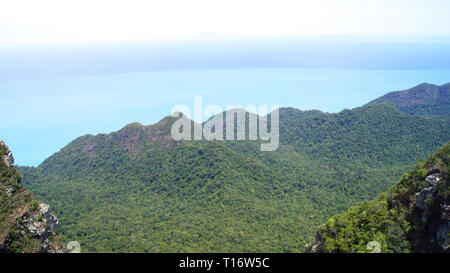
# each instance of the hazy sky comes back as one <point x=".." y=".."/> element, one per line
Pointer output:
<point x="31" y="22"/>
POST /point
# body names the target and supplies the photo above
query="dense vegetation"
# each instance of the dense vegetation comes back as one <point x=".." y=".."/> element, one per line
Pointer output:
<point x="424" y="99"/>
<point x="412" y="216"/>
<point x="139" y="190"/>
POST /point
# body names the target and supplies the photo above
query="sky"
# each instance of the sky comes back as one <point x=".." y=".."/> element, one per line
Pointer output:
<point x="43" y="22"/>
<point x="70" y="68"/>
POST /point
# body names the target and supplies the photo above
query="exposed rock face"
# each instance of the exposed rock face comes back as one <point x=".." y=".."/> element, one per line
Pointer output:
<point x="9" y="191"/>
<point x="25" y="224"/>
<point x="46" y="212"/>
<point x="40" y="224"/>
<point x="426" y="194"/>
<point x="7" y="156"/>
<point x="434" y="214"/>
<point x="314" y="248"/>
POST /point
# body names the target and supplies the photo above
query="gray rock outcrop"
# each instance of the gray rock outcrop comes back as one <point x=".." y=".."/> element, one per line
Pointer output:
<point x="435" y="214"/>
<point x="40" y="224"/>
<point x="7" y="157"/>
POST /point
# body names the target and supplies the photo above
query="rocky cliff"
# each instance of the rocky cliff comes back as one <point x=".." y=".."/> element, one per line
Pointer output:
<point x="25" y="224"/>
<point x="431" y="214"/>
<point x="413" y="216"/>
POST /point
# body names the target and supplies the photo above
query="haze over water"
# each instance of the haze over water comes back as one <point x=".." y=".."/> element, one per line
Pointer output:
<point x="41" y="116"/>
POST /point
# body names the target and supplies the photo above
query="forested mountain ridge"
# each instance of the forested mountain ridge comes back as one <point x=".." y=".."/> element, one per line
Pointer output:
<point x="424" y="99"/>
<point x="412" y="216"/>
<point x="25" y="224"/>
<point x="130" y="142"/>
<point x="376" y="134"/>
<point x="138" y="190"/>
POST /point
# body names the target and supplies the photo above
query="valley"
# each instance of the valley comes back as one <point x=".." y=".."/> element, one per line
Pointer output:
<point x="139" y="190"/>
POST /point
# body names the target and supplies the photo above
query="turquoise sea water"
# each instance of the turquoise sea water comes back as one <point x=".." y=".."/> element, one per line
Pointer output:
<point x="38" y="117"/>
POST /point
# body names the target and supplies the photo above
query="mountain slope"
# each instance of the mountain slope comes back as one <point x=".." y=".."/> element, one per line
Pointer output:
<point x="135" y="191"/>
<point x="424" y="99"/>
<point x="412" y="216"/>
<point x="25" y="224"/>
